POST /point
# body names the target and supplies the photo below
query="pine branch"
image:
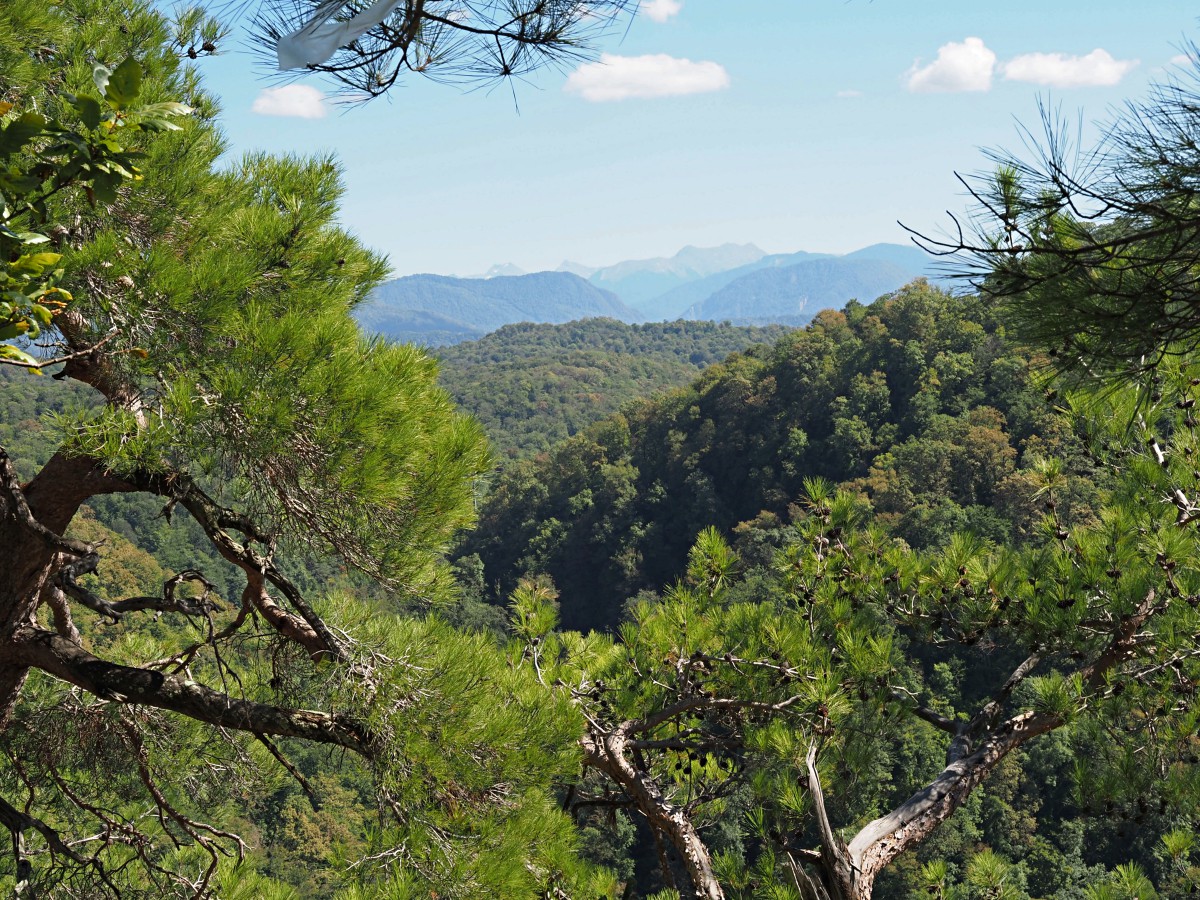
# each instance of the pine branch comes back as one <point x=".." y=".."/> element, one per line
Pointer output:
<point x="37" y="648"/>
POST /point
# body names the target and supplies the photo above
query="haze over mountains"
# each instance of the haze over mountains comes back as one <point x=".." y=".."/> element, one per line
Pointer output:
<point x="436" y="310"/>
<point x="739" y="283"/>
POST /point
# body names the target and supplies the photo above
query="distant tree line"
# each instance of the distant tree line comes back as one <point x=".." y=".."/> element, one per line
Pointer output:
<point x="534" y="385"/>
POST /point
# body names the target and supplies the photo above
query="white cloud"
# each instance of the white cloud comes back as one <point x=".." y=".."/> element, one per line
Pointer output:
<point x="847" y="95"/>
<point x="660" y="10"/>
<point x="959" y="67"/>
<point x="1180" y="59"/>
<point x="1097" y="69"/>
<point x="296" y="100"/>
<point x="655" y="75"/>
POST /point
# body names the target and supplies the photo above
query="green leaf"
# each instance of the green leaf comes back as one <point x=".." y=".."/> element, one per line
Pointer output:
<point x="7" y="351"/>
<point x="89" y="111"/>
<point x="69" y="141"/>
<point x="15" y="330"/>
<point x="116" y="168"/>
<point x="34" y="263"/>
<point x="15" y="184"/>
<point x="68" y="171"/>
<point x="124" y="84"/>
<point x="20" y="131"/>
<point x="105" y="186"/>
<point x="170" y="108"/>
<point x="158" y="125"/>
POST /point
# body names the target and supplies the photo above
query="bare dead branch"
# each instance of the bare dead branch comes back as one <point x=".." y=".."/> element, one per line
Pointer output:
<point x="59" y="360"/>
<point x="287" y="765"/>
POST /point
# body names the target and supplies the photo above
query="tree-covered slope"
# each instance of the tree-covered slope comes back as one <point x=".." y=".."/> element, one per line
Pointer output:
<point x="916" y="401"/>
<point x="535" y="385"/>
<point x="27" y="403"/>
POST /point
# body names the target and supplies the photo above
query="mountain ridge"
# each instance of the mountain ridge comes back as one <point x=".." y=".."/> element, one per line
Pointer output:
<point x="794" y="294"/>
<point x="468" y="308"/>
<point x="638" y="280"/>
<point x="735" y="282"/>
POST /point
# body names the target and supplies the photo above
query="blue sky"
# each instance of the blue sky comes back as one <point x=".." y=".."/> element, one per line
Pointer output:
<point x="808" y="125"/>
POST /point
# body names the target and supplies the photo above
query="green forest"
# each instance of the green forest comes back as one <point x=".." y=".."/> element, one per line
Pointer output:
<point x="533" y="385"/>
<point x="916" y="403"/>
<point x="901" y="604"/>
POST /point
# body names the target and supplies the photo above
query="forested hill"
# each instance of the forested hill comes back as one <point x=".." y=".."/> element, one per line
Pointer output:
<point x="535" y="385"/>
<point x="916" y="400"/>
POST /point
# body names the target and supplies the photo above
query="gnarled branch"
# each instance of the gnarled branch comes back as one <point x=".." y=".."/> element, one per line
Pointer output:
<point x="37" y="648"/>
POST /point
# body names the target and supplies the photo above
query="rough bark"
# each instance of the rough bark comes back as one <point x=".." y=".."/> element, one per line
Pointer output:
<point x="887" y="837"/>
<point x="64" y="484"/>
<point x="974" y="754"/>
<point x="608" y="752"/>
<point x="836" y="861"/>
<point x="291" y="627"/>
<point x="37" y="648"/>
<point x="31" y="551"/>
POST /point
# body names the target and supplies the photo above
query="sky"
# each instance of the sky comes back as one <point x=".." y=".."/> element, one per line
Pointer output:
<point x="793" y="124"/>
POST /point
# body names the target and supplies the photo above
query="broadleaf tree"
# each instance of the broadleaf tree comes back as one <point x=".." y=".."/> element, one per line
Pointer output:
<point x="793" y="691"/>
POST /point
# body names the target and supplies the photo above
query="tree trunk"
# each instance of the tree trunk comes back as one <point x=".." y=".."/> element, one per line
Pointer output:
<point x="63" y="485"/>
<point x="882" y="840"/>
<point x="607" y="752"/>
<point x="31" y="536"/>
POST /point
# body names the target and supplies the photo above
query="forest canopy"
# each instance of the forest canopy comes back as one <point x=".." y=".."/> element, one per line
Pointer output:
<point x="533" y="385"/>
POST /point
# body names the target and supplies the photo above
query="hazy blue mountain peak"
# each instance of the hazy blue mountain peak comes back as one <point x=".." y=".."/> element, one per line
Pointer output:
<point x="503" y="270"/>
<point x="576" y="268"/>
<point x="440" y="309"/>
<point x="690" y="261"/>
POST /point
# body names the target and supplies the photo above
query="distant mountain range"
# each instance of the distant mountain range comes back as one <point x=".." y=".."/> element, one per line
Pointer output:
<point x="678" y="302"/>
<point x="791" y="295"/>
<point x="734" y="282"/>
<point x="437" y="310"/>
<point x="638" y="282"/>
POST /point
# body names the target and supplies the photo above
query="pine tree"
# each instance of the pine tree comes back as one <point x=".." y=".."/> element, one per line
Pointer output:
<point x="488" y="40"/>
<point x="208" y="308"/>
<point x="1093" y="252"/>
